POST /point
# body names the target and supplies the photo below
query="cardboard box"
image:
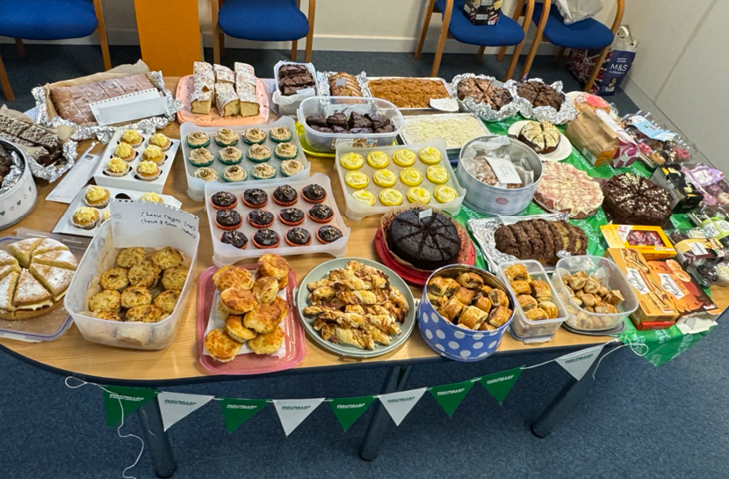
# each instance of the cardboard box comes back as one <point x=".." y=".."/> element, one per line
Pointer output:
<point x="688" y="297"/>
<point x="593" y="138"/>
<point x="650" y="241"/>
<point x="483" y="12"/>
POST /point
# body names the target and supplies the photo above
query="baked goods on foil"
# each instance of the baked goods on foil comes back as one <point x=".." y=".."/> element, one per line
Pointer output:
<point x="541" y="240"/>
<point x="543" y="102"/>
<point x="633" y="200"/>
<point x="564" y="188"/>
<point x="408" y="92"/>
<point x="542" y="136"/>
<point x="484" y="91"/>
<point x="344" y="84"/>
<point x="43" y="146"/>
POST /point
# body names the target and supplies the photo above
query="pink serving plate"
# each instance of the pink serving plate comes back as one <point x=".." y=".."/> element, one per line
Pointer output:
<point x="184" y="91"/>
<point x="248" y="364"/>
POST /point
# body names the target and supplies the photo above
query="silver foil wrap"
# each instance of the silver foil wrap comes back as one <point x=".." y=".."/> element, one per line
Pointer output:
<point x="565" y="114"/>
<point x="322" y="83"/>
<point x="485" y="112"/>
<point x="16" y="172"/>
<point x="104" y="133"/>
<point x="483" y="230"/>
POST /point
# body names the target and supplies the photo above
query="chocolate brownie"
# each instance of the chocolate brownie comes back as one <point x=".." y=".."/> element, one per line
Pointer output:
<point x="338" y="119"/>
<point x="428" y="243"/>
<point x="634" y="200"/>
<point x="359" y="121"/>
<point x="540" y="94"/>
<point x="378" y="121"/>
<point x="389" y="128"/>
<point x="316" y="120"/>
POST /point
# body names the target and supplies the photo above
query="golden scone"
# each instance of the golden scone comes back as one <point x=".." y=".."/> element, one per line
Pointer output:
<point x="107" y="315"/>
<point x="174" y="278"/>
<point x="135" y="296"/>
<point x="283" y="306"/>
<point x="235" y="329"/>
<point x="144" y="274"/>
<point x="167" y="258"/>
<point x="265" y="289"/>
<point x="267" y="343"/>
<point x="221" y="347"/>
<point x="232" y="277"/>
<point x="237" y="300"/>
<point x="105" y="300"/>
<point x="128" y="257"/>
<point x="114" y="278"/>
<point x="167" y="300"/>
<point x="263" y="319"/>
<point x="274" y="265"/>
<point x="147" y="313"/>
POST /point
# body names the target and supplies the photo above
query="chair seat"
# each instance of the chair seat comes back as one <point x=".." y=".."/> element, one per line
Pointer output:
<point x="588" y="33"/>
<point x="47" y="19"/>
<point x="506" y="32"/>
<point x="263" y="20"/>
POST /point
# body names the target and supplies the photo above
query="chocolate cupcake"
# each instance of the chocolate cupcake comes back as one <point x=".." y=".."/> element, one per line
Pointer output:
<point x="228" y="220"/>
<point x="328" y="234"/>
<point x="321" y="213"/>
<point x="298" y="237"/>
<point x="235" y="238"/>
<point x="266" y="238"/>
<point x="285" y="195"/>
<point x="260" y="218"/>
<point x="223" y="200"/>
<point x="291" y="216"/>
<point x="314" y="193"/>
<point x="255" y="198"/>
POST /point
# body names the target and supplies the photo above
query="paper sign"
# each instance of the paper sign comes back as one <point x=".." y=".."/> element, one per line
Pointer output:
<point x="79" y="175"/>
<point x="499" y="384"/>
<point x="400" y="404"/>
<point x="579" y="362"/>
<point x="340" y="82"/>
<point x="238" y="411"/>
<point x="130" y="399"/>
<point x="153" y="225"/>
<point x="444" y="104"/>
<point x="504" y="170"/>
<point x="425" y="214"/>
<point x="449" y="396"/>
<point x="348" y="410"/>
<point x="292" y="412"/>
<point x="129" y="107"/>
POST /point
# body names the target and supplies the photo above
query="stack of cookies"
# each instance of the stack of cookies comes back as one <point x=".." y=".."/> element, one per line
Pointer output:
<point x="540" y="240"/>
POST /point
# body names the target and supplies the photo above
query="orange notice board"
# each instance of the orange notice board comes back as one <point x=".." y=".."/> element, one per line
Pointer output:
<point x="169" y="35"/>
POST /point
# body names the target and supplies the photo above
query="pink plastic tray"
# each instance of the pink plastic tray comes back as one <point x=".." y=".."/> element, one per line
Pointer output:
<point x="184" y="91"/>
<point x="246" y="364"/>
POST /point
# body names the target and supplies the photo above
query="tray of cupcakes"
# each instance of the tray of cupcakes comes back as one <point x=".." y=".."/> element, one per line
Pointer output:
<point x="298" y="217"/>
<point x="270" y="152"/>
<point x="134" y="160"/>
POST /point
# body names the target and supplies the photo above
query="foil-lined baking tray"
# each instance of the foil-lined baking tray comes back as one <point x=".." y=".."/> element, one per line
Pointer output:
<point x="566" y="112"/>
<point x="322" y="83"/>
<point x="482" y="110"/>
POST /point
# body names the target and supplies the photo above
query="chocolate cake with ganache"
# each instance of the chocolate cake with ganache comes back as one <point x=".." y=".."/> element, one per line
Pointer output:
<point x="540" y="94"/>
<point x="427" y="243"/>
<point x="633" y="200"/>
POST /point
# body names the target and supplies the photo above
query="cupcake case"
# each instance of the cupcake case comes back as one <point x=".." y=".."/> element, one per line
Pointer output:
<point x="225" y="254"/>
<point x="196" y="186"/>
<point x="130" y="181"/>
<point x="356" y="210"/>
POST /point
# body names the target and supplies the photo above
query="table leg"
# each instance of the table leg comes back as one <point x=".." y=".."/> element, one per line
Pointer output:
<point x="567" y="399"/>
<point x="395" y="381"/>
<point x="157" y="440"/>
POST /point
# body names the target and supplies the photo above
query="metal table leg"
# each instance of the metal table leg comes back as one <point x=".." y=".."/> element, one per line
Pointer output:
<point x="157" y="440"/>
<point x="566" y="400"/>
<point x="395" y="381"/>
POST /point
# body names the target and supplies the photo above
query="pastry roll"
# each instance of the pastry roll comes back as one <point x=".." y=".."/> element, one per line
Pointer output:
<point x="606" y="309"/>
<point x="527" y="302"/>
<point x="451" y="310"/>
<point x="521" y="286"/>
<point x="499" y="298"/>
<point x="486" y="326"/>
<point x="550" y="308"/>
<point x="223" y="74"/>
<point x="483" y="303"/>
<point x="614" y="297"/>
<point x="575" y="282"/>
<point x="440" y="286"/>
<point x="591" y="286"/>
<point x="437" y="301"/>
<point x="535" y="314"/>
<point x="541" y="290"/>
<point x="516" y="272"/>
<point x="464" y="295"/>
<point x="472" y="317"/>
<point x="499" y="316"/>
<point x="470" y="280"/>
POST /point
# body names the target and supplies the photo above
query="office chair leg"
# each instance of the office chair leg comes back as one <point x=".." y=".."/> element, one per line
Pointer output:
<point x="424" y="32"/>
<point x="294" y="50"/>
<point x="5" y="83"/>
<point x="479" y="55"/>
<point x="593" y="77"/>
<point x="216" y="44"/>
<point x="20" y="47"/>
<point x="558" y="56"/>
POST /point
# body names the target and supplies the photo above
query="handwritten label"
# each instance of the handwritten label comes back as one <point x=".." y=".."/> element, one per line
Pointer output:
<point x="504" y="170"/>
<point x="426" y="213"/>
<point x="340" y="82"/>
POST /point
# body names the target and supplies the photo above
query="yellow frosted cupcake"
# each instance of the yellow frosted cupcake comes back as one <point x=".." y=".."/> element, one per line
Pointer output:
<point x="437" y="174"/>
<point x="132" y="137"/>
<point x="404" y="158"/>
<point x="411" y="176"/>
<point x="357" y="180"/>
<point x="151" y="197"/>
<point x="117" y="167"/>
<point x="390" y="197"/>
<point x="124" y="151"/>
<point x="85" y="218"/>
<point x="147" y="171"/>
<point x="444" y="194"/>
<point x="105" y="216"/>
<point x="384" y="178"/>
<point x="154" y="154"/>
<point x="429" y="155"/>
<point x="158" y="139"/>
<point x="365" y="196"/>
<point x="351" y="161"/>
<point x="378" y="159"/>
<point x="97" y="197"/>
<point x="417" y="194"/>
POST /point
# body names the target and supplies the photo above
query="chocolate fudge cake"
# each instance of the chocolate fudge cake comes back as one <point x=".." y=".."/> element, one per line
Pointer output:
<point x="633" y="200"/>
<point x="540" y="94"/>
<point x="427" y="243"/>
<point x="484" y="91"/>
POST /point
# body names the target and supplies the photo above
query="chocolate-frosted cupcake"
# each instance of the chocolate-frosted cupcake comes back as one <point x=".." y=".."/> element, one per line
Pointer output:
<point x="235" y="238"/>
<point x="321" y="213"/>
<point x="224" y="200"/>
<point x="266" y="238"/>
<point x="255" y="198"/>
<point x="291" y="216"/>
<point x="298" y="237"/>
<point x="327" y="234"/>
<point x="314" y="193"/>
<point x="260" y="218"/>
<point x="285" y="195"/>
<point x="228" y="220"/>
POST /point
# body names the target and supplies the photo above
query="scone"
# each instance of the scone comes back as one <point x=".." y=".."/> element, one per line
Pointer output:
<point x="283" y="306"/>
<point x="167" y="258"/>
<point x="114" y="278"/>
<point x="221" y="347"/>
<point x="263" y="319"/>
<point x="265" y="289"/>
<point x="107" y="316"/>
<point x="167" y="300"/>
<point x="232" y="277"/>
<point x="274" y="265"/>
<point x="174" y="278"/>
<point x="128" y="257"/>
<point x="146" y="314"/>
<point x="235" y="329"/>
<point x="135" y="296"/>
<point x="105" y="300"/>
<point x="237" y="301"/>
<point x="267" y="343"/>
<point x="144" y="274"/>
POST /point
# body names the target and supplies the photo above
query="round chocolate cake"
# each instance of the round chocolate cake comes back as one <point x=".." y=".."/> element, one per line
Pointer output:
<point x="427" y="243"/>
<point x="633" y="200"/>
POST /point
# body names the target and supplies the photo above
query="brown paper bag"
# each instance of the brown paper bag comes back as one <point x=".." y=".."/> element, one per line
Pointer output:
<point x="593" y="138"/>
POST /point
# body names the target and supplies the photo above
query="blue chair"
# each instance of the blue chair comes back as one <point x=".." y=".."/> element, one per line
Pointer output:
<point x="50" y="20"/>
<point x="586" y="34"/>
<point x="506" y="32"/>
<point x="263" y="21"/>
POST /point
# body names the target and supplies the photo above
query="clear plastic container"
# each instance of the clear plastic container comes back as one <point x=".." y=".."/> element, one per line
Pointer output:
<point x="610" y="276"/>
<point x="525" y="329"/>
<point x="327" y="142"/>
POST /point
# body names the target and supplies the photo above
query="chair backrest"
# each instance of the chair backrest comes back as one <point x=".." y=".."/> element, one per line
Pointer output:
<point x="619" y="12"/>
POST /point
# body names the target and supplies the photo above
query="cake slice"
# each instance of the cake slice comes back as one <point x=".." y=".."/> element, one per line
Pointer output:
<point x="23" y="250"/>
<point x="59" y="258"/>
<point x="55" y="280"/>
<point x="30" y="293"/>
<point x="6" y="259"/>
<point x="6" y="270"/>
<point x="49" y="244"/>
<point x="7" y="291"/>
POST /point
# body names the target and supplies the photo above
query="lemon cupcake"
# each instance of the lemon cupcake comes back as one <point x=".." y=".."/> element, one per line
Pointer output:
<point x="384" y="178"/>
<point x="444" y="194"/>
<point x="198" y="139"/>
<point x="230" y="155"/>
<point x="154" y="154"/>
<point x="351" y="161"/>
<point x="201" y="157"/>
<point x="117" y="168"/>
<point x="364" y="196"/>
<point x="234" y="173"/>
<point x="411" y="176"/>
<point x="291" y="167"/>
<point x="378" y="159"/>
<point x="357" y="180"/>
<point x="430" y="155"/>
<point x="417" y="194"/>
<point x="158" y="139"/>
<point x="254" y="136"/>
<point x="226" y="137"/>
<point x="206" y="174"/>
<point x="147" y="171"/>
<point x="404" y="157"/>
<point x="390" y="197"/>
<point x="281" y="134"/>
<point x="286" y="151"/>
<point x="125" y="152"/>
<point x="105" y="216"/>
<point x="85" y="218"/>
<point x="151" y="197"/>
<point x="132" y="138"/>
<point x="259" y="153"/>
<point x="437" y="174"/>
<point x="97" y="197"/>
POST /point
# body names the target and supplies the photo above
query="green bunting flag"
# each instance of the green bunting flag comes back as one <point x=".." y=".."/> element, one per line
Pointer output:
<point x="238" y="411"/>
<point x="348" y="410"/>
<point x="131" y="400"/>
<point x="449" y="396"/>
<point x="499" y="384"/>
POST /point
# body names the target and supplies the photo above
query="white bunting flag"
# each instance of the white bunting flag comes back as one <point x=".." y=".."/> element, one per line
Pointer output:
<point x="400" y="404"/>
<point x="579" y="362"/>
<point x="292" y="412"/>
<point x="176" y="406"/>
